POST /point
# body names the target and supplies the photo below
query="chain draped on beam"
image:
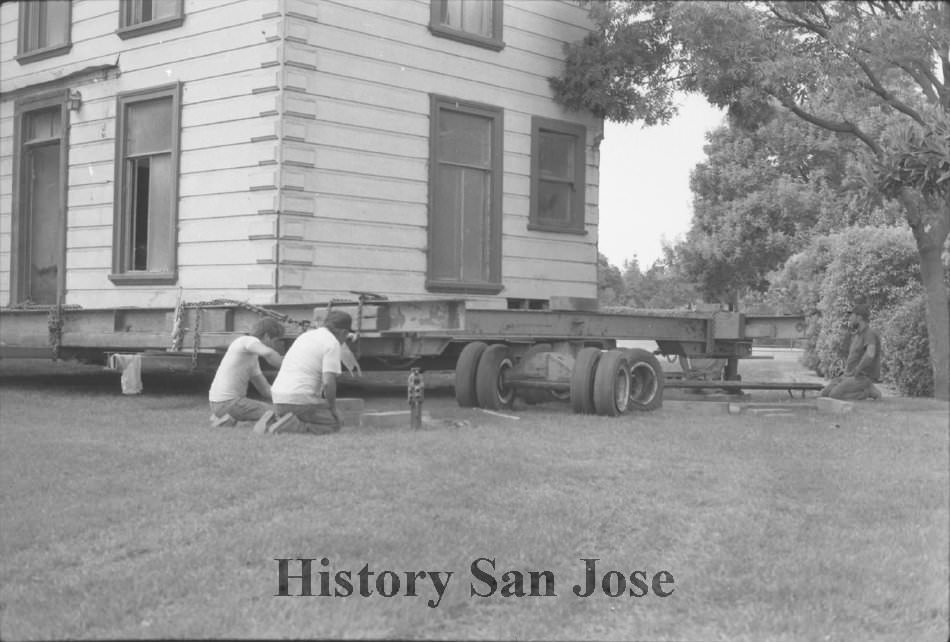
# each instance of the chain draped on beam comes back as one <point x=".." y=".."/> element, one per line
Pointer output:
<point x="178" y="330"/>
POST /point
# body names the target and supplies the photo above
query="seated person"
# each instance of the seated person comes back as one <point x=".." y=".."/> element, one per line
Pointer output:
<point x="240" y="365"/>
<point x="863" y="365"/>
<point x="304" y="391"/>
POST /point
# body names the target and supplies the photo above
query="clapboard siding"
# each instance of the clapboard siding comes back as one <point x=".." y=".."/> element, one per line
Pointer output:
<point x="148" y="297"/>
<point x="304" y="145"/>
<point x="90" y="216"/>
<point x="357" y="209"/>
<point x="359" y="138"/>
<point x="224" y="56"/>
<point x="331" y="278"/>
<point x="209" y="28"/>
<point x="546" y="249"/>
<point x="376" y="65"/>
<point x="218" y="208"/>
<point x="366" y="234"/>
<point x="227" y="226"/>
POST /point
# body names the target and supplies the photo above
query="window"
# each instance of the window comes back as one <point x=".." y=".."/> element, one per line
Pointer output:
<point x="476" y="22"/>
<point x="146" y="192"/>
<point x="557" y="176"/>
<point x="44" y="29"/>
<point x="137" y="17"/>
<point x="464" y="197"/>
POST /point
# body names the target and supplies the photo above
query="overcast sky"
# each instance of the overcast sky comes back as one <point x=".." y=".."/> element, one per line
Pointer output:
<point x="644" y="181"/>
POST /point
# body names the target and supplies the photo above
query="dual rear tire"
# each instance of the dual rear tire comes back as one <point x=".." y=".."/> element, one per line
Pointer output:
<point x="607" y="383"/>
<point x="480" y="374"/>
<point x="615" y="382"/>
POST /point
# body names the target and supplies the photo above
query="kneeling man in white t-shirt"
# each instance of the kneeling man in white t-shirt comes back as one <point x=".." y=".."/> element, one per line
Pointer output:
<point x="240" y="365"/>
<point x="304" y="391"/>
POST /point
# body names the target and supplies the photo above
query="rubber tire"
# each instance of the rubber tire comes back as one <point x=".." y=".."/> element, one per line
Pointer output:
<point x="495" y="358"/>
<point x="532" y="396"/>
<point x="582" y="380"/>
<point x="612" y="364"/>
<point x="642" y="361"/>
<point x="465" y="369"/>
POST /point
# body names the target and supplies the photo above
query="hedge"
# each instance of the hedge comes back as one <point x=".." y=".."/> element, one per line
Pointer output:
<point x="880" y="265"/>
<point x="906" y="361"/>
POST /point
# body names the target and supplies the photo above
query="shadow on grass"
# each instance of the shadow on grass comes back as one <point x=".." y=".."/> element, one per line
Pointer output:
<point x="74" y="377"/>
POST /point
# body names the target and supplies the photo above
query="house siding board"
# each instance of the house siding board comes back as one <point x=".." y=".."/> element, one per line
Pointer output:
<point x="314" y="129"/>
<point x="220" y="55"/>
<point x="376" y="66"/>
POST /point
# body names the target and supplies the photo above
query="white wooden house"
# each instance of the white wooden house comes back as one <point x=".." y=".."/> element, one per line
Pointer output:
<point x="288" y="151"/>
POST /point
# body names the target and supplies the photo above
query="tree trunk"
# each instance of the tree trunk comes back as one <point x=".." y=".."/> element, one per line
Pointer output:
<point x="930" y="222"/>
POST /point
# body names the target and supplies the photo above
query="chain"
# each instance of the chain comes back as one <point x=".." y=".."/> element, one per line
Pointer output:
<point x="283" y="318"/>
<point x="415" y="392"/>
<point x="178" y="332"/>
<point x="54" y="322"/>
<point x="197" y="343"/>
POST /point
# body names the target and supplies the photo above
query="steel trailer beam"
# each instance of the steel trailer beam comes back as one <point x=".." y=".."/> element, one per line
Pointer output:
<point x="403" y="330"/>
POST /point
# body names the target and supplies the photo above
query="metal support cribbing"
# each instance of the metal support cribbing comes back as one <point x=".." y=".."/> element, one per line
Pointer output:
<point x="416" y="392"/>
<point x="196" y="347"/>
<point x="178" y="332"/>
<point x="55" y="325"/>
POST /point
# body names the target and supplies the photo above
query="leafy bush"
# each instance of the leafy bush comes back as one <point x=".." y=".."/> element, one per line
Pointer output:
<point x="796" y="288"/>
<point x="878" y="264"/>
<point x="906" y="361"/>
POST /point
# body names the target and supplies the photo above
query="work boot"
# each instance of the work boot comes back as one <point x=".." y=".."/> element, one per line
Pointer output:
<point x="226" y="421"/>
<point x="287" y="423"/>
<point x="264" y="422"/>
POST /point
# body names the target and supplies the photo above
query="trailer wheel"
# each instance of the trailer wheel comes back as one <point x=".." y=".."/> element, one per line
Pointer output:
<point x="646" y="380"/>
<point x="465" y="370"/>
<point x="612" y="384"/>
<point x="490" y="388"/>
<point x="582" y="381"/>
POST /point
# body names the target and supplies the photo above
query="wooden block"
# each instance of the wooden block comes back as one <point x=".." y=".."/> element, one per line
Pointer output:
<point x="350" y="404"/>
<point x="834" y="406"/>
<point x="351" y="411"/>
<point x="390" y="419"/>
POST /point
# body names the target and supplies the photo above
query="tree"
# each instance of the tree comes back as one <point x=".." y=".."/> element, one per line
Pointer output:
<point x="763" y="191"/>
<point x="610" y="286"/>
<point x="877" y="71"/>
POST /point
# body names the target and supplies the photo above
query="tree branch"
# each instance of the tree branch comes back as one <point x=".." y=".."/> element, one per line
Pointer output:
<point x="927" y="82"/>
<point x="876" y="87"/>
<point x="804" y="23"/>
<point x="842" y="126"/>
<point x="824" y="15"/>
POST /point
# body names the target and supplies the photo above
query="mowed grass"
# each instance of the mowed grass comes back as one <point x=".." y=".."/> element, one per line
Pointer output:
<point x="127" y="517"/>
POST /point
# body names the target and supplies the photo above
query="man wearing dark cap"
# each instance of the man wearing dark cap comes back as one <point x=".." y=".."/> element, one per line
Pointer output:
<point x="863" y="365"/>
<point x="304" y="392"/>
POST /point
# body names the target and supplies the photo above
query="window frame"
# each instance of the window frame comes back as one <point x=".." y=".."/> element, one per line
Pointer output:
<point x="577" y="222"/>
<point x="23" y="107"/>
<point x="133" y="30"/>
<point x="121" y="272"/>
<point x="495" y="42"/>
<point x="23" y="25"/>
<point x="494" y="284"/>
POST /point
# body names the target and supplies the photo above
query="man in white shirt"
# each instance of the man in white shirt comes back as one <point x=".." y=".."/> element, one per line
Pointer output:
<point x="240" y="366"/>
<point x="304" y="391"/>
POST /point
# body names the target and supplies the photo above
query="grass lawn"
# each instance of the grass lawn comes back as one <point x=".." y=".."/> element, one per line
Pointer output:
<point x="127" y="517"/>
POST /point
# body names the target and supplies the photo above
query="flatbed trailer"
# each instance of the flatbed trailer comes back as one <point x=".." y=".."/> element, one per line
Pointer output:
<point x="568" y="354"/>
